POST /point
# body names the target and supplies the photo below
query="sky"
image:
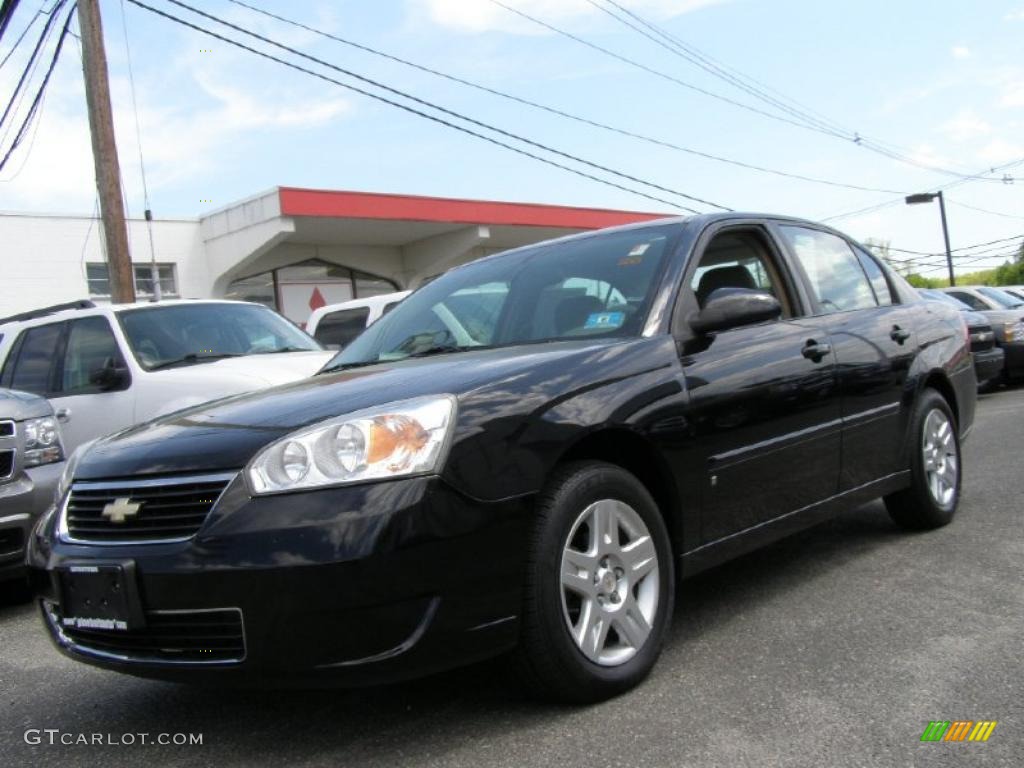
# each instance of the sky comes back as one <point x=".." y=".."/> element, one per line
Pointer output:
<point x="942" y="82"/>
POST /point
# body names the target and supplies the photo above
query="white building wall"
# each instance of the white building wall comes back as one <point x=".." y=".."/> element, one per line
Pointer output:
<point x="43" y="257"/>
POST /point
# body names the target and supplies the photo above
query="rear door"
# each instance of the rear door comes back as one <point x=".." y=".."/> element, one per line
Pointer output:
<point x="875" y="344"/>
<point x="764" y="405"/>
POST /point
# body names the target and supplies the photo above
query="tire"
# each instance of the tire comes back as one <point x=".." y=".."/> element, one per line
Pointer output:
<point x="622" y="582"/>
<point x="929" y="503"/>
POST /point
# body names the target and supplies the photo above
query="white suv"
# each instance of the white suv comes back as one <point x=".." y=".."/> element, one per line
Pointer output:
<point x="336" y="325"/>
<point x="107" y="367"/>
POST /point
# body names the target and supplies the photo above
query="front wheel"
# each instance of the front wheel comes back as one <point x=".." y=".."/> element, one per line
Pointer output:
<point x="599" y="585"/>
<point x="935" y="467"/>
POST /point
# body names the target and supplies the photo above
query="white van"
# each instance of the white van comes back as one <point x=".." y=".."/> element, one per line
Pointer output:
<point x="104" y="368"/>
<point x="336" y="325"/>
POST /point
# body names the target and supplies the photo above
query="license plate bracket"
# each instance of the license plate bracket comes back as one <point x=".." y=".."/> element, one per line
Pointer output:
<point x="101" y="596"/>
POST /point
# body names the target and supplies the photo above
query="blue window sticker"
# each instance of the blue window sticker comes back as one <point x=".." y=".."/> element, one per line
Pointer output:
<point x="605" y="320"/>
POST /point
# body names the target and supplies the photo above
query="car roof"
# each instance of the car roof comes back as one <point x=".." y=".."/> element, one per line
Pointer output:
<point x="369" y="301"/>
<point x="71" y="313"/>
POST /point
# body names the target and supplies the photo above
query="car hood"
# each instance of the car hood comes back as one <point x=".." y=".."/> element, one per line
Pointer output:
<point x="18" y="405"/>
<point x="225" y="434"/>
<point x="260" y="370"/>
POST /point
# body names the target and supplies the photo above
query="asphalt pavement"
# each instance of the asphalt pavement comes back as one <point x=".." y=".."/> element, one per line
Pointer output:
<point x="835" y="647"/>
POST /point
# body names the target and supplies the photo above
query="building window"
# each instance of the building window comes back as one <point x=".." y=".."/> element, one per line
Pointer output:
<point x="298" y="289"/>
<point x="98" y="277"/>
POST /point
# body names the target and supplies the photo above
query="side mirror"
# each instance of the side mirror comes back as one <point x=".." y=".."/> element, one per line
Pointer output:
<point x="734" y="307"/>
<point x="108" y="376"/>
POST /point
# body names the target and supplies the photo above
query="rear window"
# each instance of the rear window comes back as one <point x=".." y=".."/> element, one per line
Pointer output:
<point x="31" y="371"/>
<point x="342" y="326"/>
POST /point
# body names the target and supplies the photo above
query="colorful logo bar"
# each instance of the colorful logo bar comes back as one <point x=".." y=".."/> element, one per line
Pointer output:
<point x="958" y="730"/>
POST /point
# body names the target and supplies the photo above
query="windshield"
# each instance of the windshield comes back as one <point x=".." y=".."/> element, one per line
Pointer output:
<point x="1002" y="298"/>
<point x="598" y="286"/>
<point x="182" y="334"/>
<point x="945" y="298"/>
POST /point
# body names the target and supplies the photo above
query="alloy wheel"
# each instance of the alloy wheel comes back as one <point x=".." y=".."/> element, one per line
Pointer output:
<point x="941" y="458"/>
<point x="609" y="582"/>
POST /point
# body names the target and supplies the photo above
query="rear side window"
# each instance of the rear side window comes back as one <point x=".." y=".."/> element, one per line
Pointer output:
<point x="876" y="277"/>
<point x="835" y="272"/>
<point x="32" y="369"/>
<point x="970" y="300"/>
<point x="91" y="344"/>
<point x="342" y="326"/>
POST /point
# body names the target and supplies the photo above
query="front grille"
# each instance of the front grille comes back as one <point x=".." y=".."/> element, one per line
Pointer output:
<point x="169" y="509"/>
<point x="6" y="428"/>
<point x="188" y="637"/>
<point x="982" y="340"/>
<point x="12" y="541"/>
<point x="6" y="463"/>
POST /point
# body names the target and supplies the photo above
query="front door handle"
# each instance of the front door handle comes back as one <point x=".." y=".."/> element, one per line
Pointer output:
<point x="898" y="335"/>
<point x="63" y="415"/>
<point x="815" y="350"/>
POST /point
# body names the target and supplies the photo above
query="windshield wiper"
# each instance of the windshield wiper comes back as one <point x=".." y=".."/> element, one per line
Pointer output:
<point x="285" y="349"/>
<point x="437" y="349"/>
<point x="192" y="357"/>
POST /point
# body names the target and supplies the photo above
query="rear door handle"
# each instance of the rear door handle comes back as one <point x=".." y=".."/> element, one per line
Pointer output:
<point x="815" y="351"/>
<point x="898" y="335"/>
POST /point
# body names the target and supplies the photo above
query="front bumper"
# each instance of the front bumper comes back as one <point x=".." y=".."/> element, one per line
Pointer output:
<point x="22" y="500"/>
<point x="343" y="586"/>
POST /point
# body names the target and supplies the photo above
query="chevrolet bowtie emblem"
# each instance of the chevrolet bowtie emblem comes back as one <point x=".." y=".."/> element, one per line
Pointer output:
<point x="120" y="510"/>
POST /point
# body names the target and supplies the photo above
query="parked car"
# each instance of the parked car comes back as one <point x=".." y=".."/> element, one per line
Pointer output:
<point x="336" y="325"/>
<point x="530" y="468"/>
<point x="31" y="463"/>
<point x="989" y="358"/>
<point x="107" y="367"/>
<point x="1017" y="291"/>
<point x="1005" y="313"/>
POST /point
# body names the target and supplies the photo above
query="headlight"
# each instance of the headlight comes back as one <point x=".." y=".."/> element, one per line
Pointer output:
<point x="394" y="440"/>
<point x="42" y="441"/>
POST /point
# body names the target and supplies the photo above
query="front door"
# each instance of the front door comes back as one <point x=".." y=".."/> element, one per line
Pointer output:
<point x="764" y="405"/>
<point x="85" y="409"/>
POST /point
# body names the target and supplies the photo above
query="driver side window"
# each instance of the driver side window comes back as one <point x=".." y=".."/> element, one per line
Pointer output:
<point x="739" y="260"/>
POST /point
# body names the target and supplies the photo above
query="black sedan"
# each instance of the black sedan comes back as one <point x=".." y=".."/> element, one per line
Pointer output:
<point x="525" y="455"/>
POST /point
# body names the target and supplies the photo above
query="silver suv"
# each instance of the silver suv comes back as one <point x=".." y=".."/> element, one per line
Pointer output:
<point x="31" y="463"/>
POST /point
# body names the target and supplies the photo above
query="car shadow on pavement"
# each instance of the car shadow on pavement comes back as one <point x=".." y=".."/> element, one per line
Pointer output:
<point x="431" y="718"/>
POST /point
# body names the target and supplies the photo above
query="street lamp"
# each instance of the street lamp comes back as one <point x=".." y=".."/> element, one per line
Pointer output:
<point x="927" y="197"/>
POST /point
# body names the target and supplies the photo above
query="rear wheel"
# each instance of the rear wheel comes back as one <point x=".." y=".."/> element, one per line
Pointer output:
<point x="599" y="585"/>
<point x="935" y="467"/>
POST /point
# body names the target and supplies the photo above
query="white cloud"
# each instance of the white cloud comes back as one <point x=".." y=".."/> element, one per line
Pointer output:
<point x="1015" y="15"/>
<point x="1000" y="151"/>
<point x="186" y="131"/>
<point x="966" y="126"/>
<point x="961" y="52"/>
<point x="1013" y="94"/>
<point x="483" y="15"/>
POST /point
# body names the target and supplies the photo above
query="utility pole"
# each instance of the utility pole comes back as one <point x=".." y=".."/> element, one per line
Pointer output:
<point x="945" y="236"/>
<point x="104" y="152"/>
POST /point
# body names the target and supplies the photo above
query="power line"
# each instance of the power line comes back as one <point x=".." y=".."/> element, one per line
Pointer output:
<point x="24" y="32"/>
<point x="555" y="110"/>
<point x="30" y="64"/>
<point x="898" y="201"/>
<point x="443" y="110"/>
<point x="411" y="110"/>
<point x="42" y="89"/>
<point x="803" y="121"/>
<point x="986" y="210"/>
